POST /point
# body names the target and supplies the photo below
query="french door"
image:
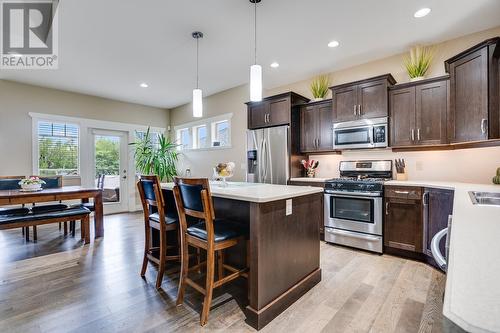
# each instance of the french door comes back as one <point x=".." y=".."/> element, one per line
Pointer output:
<point x="110" y="161"/>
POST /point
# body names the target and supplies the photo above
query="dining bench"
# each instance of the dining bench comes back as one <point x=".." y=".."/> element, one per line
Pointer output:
<point x="24" y="217"/>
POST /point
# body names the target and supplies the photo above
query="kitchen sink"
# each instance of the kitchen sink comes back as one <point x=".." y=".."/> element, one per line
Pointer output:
<point x="485" y="198"/>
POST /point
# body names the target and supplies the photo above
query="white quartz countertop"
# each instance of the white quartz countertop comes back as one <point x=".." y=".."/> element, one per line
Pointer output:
<point x="472" y="297"/>
<point x="254" y="192"/>
<point x="309" y="179"/>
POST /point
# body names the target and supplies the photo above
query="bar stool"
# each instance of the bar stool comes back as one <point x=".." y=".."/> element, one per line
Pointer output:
<point x="193" y="198"/>
<point x="155" y="217"/>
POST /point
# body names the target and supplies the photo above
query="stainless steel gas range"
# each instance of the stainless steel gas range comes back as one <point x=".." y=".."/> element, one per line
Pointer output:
<point x="354" y="204"/>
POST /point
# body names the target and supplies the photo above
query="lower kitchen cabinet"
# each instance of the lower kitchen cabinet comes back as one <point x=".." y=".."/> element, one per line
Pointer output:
<point x="403" y="229"/>
<point x="315" y="184"/>
<point x="413" y="215"/>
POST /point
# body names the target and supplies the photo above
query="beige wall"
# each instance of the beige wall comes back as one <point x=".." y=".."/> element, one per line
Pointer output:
<point x="17" y="100"/>
<point x="477" y="165"/>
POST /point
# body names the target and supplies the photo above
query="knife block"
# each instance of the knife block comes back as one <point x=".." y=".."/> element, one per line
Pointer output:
<point x="401" y="176"/>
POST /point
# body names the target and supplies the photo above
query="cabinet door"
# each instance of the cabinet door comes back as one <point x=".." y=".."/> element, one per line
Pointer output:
<point x="438" y="204"/>
<point x="403" y="224"/>
<point x="469" y="98"/>
<point x="402" y="103"/>
<point x="431" y="109"/>
<point x="308" y="128"/>
<point x="345" y="103"/>
<point x="279" y="111"/>
<point x="325" y="127"/>
<point x="372" y="99"/>
<point x="257" y="115"/>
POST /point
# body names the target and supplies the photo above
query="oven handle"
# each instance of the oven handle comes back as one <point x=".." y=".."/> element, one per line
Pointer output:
<point x="351" y="234"/>
<point x="347" y="194"/>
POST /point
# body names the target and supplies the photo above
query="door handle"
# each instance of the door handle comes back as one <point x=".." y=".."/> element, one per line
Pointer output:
<point x="387" y="208"/>
<point x="359" y="109"/>
<point x="484" y="122"/>
<point x="402" y="192"/>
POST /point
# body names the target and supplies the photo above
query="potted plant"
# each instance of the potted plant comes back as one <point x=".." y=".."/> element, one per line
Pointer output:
<point x="310" y="166"/>
<point x="417" y="62"/>
<point x="31" y="184"/>
<point x="319" y="87"/>
<point x="156" y="158"/>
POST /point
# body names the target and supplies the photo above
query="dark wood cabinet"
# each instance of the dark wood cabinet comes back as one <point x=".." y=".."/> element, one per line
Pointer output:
<point x="361" y="99"/>
<point x="438" y="205"/>
<point x="403" y="219"/>
<point x="316" y="127"/>
<point x="315" y="184"/>
<point x="273" y="111"/>
<point x="418" y="113"/>
<point x="474" y="93"/>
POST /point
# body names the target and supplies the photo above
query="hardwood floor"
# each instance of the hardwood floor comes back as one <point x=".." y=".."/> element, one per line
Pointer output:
<point x="56" y="285"/>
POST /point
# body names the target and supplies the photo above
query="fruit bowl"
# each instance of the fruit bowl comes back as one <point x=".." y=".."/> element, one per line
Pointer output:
<point x="224" y="171"/>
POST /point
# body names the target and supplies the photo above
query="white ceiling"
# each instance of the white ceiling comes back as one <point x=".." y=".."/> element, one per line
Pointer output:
<point x="107" y="48"/>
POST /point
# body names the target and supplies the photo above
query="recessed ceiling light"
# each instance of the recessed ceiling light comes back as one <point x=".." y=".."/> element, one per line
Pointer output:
<point x="144" y="85"/>
<point x="333" y="43"/>
<point x="422" y="12"/>
<point x="275" y="65"/>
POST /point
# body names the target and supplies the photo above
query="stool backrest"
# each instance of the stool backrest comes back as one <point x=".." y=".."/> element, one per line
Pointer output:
<point x="10" y="182"/>
<point x="51" y="181"/>
<point x="193" y="198"/>
<point x="151" y="197"/>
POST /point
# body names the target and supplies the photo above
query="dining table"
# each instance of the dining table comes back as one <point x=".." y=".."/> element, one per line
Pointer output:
<point x="19" y="197"/>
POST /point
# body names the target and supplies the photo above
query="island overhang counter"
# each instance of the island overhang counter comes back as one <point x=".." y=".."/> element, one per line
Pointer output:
<point x="283" y="258"/>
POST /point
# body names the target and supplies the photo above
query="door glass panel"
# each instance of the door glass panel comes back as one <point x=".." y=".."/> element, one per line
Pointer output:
<point x="350" y="136"/>
<point x="354" y="209"/>
<point x="107" y="166"/>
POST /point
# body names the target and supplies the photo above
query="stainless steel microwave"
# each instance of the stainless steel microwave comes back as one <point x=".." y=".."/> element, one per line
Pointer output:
<point x="363" y="133"/>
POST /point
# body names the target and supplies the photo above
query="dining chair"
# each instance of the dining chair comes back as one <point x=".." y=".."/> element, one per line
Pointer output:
<point x="155" y="217"/>
<point x="12" y="183"/>
<point x="193" y="199"/>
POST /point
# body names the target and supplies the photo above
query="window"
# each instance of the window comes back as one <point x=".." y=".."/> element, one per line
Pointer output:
<point x="58" y="149"/>
<point x="221" y="134"/>
<point x="184" y="138"/>
<point x="205" y="134"/>
<point x="201" y="136"/>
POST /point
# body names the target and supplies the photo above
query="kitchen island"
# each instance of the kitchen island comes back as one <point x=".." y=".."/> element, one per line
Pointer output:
<point x="284" y="240"/>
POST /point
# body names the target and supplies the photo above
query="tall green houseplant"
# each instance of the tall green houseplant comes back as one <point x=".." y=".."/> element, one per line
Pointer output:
<point x="155" y="158"/>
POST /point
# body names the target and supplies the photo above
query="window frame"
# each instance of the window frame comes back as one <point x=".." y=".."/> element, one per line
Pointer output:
<point x="210" y="125"/>
<point x="36" y="145"/>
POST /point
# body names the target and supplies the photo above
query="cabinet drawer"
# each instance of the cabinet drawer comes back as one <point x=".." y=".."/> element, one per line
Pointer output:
<point x="403" y="192"/>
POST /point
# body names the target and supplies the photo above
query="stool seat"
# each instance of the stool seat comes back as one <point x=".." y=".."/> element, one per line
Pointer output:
<point x="168" y="220"/>
<point x="223" y="230"/>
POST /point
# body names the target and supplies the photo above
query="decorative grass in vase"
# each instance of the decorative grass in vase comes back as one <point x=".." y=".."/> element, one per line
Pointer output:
<point x="319" y="87"/>
<point x="418" y="62"/>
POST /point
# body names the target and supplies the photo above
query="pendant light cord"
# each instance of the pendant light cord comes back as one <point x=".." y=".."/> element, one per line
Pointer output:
<point x="197" y="62"/>
<point x="255" y="31"/>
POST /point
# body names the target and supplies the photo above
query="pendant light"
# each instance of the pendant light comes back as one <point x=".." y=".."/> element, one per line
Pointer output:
<point x="255" y="69"/>
<point x="197" y="93"/>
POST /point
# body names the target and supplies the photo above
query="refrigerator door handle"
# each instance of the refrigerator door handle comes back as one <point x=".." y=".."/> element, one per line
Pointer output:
<point x="265" y="160"/>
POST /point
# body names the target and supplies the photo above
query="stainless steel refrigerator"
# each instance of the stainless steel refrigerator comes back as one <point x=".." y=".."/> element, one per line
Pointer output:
<point x="268" y="157"/>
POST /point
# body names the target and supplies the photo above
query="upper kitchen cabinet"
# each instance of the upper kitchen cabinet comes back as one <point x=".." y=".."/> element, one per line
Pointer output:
<point x="316" y="127"/>
<point x="418" y="112"/>
<point x="474" y="92"/>
<point x="362" y="99"/>
<point x="274" y="110"/>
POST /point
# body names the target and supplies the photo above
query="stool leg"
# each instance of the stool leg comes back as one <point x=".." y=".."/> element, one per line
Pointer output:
<point x="59" y="225"/>
<point x="198" y="259"/>
<point x="184" y="271"/>
<point x="27" y="234"/>
<point x="220" y="263"/>
<point x="83" y="232"/>
<point x="22" y="230"/>
<point x="35" y="236"/>
<point x="209" y="285"/>
<point x="72" y="226"/>
<point x="65" y="228"/>
<point x="163" y="254"/>
<point x="147" y="242"/>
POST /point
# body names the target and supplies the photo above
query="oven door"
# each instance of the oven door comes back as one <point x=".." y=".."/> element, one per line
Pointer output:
<point x="354" y="213"/>
<point x="353" y="137"/>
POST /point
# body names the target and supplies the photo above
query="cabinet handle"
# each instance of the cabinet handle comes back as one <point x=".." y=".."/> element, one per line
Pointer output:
<point x="418" y="134"/>
<point x="484" y="122"/>
<point x="355" y="111"/>
<point x="359" y="109"/>
<point x="387" y="208"/>
<point x="412" y="133"/>
<point x="317" y="144"/>
<point x="401" y="192"/>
